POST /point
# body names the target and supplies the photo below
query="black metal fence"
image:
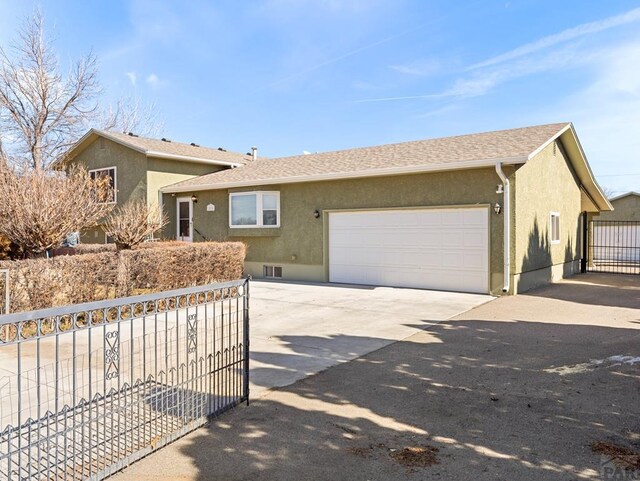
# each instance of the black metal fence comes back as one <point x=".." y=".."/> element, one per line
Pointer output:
<point x="87" y="389"/>
<point x="614" y="246"/>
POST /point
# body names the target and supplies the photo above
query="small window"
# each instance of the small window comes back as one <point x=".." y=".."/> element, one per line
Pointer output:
<point x="106" y="192"/>
<point x="555" y="228"/>
<point x="274" y="272"/>
<point x="254" y="209"/>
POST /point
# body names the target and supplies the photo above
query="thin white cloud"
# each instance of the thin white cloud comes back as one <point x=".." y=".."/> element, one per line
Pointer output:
<point x="420" y="68"/>
<point x="561" y="37"/>
<point x="153" y="80"/>
<point x="482" y="82"/>
<point x="523" y="61"/>
<point x="132" y="77"/>
<point x="332" y="6"/>
<point x="338" y="58"/>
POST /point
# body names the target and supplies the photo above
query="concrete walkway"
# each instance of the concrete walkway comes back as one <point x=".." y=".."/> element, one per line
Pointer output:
<point x="518" y="388"/>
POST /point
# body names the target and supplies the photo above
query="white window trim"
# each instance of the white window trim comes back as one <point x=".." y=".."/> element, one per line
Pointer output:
<point x="259" y="217"/>
<point x="115" y="182"/>
<point x="551" y="216"/>
<point x="191" y="230"/>
<point x="273" y="270"/>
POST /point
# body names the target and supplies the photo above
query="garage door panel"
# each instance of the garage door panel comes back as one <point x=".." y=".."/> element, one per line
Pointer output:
<point x="423" y="248"/>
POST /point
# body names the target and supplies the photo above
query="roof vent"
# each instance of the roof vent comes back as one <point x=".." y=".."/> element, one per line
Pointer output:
<point x="131" y="134"/>
<point x="254" y="153"/>
<point x="221" y="149"/>
<point x="193" y="144"/>
<point x="165" y="140"/>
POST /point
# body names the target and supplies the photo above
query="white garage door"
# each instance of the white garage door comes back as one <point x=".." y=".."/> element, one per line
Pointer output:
<point x="446" y="249"/>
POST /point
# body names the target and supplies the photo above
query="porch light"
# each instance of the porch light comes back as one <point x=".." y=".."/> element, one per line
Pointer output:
<point x="194" y="198"/>
<point x="316" y="213"/>
<point x="497" y="208"/>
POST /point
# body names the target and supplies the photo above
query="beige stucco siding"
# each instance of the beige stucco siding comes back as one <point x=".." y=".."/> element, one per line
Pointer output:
<point x="131" y="178"/>
<point x="300" y="240"/>
<point x="625" y="209"/>
<point x="545" y="184"/>
<point x="163" y="172"/>
<point x="137" y="177"/>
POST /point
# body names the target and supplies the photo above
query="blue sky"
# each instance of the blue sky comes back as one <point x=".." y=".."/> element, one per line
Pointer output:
<point x="294" y="75"/>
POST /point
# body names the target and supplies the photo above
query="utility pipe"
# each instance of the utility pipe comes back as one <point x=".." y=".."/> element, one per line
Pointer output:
<point x="506" y="212"/>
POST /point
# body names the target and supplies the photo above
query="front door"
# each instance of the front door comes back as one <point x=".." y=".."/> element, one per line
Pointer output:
<point x="184" y="209"/>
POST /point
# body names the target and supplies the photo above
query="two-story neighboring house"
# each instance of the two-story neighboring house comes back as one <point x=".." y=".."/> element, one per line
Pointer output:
<point x="138" y="167"/>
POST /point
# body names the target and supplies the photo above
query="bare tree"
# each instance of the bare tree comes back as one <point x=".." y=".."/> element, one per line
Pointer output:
<point x="40" y="208"/>
<point x="128" y="114"/>
<point x="42" y="111"/>
<point x="608" y="192"/>
<point x="133" y="223"/>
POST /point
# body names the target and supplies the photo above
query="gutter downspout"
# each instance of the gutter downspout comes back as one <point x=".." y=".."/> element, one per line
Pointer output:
<point x="507" y="227"/>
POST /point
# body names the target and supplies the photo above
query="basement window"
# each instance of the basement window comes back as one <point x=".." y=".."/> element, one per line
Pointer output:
<point x="273" y="272"/>
<point x="555" y="227"/>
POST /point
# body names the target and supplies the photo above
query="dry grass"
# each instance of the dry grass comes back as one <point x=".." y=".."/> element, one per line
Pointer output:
<point x="416" y="456"/>
<point x="622" y="457"/>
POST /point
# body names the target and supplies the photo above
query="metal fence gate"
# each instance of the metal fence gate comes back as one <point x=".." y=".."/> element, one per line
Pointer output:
<point x="614" y="246"/>
<point x="87" y="389"/>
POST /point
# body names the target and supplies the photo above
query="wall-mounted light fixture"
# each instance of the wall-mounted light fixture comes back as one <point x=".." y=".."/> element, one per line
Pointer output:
<point x="497" y="208"/>
<point x="499" y="189"/>
<point x="316" y="213"/>
<point x="194" y="198"/>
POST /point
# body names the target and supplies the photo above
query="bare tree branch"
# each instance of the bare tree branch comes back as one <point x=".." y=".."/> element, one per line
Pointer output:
<point x="129" y="115"/>
<point x="133" y="223"/>
<point x="40" y="208"/>
<point x="608" y="192"/>
<point x="42" y="112"/>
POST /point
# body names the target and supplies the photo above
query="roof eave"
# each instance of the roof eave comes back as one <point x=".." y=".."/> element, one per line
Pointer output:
<point x="198" y="160"/>
<point x="626" y="194"/>
<point x="85" y="140"/>
<point x="473" y="164"/>
<point x="70" y="152"/>
<point x="580" y="164"/>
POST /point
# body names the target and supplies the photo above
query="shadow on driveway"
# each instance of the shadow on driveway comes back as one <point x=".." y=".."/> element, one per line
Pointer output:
<point x="499" y="398"/>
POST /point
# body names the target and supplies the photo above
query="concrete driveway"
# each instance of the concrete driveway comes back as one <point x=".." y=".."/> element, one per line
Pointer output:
<point x="301" y="329"/>
<point x="519" y="388"/>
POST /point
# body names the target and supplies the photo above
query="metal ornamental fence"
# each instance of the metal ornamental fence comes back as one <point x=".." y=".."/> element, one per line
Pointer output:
<point x="614" y="246"/>
<point x="87" y="389"/>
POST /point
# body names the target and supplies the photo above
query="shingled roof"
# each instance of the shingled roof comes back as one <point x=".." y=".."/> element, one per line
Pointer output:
<point x="460" y="152"/>
<point x="163" y="148"/>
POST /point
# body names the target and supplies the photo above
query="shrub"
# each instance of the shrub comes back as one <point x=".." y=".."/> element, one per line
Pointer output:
<point x="156" y="267"/>
<point x="182" y="265"/>
<point x="8" y="250"/>
<point x="40" y="208"/>
<point x="134" y="222"/>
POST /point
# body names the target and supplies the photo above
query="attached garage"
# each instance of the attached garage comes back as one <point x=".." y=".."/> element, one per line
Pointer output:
<point x="442" y="248"/>
<point x="465" y="213"/>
